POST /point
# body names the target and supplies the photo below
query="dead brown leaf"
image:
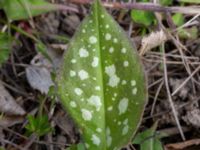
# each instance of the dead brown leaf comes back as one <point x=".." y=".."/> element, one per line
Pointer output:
<point x="8" y="104"/>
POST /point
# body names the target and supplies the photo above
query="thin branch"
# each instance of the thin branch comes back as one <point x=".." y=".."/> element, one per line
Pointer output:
<point x="145" y="6"/>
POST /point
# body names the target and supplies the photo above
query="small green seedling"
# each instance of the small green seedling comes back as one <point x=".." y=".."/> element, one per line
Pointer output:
<point x="148" y="140"/>
<point x="184" y="33"/>
<point x="38" y="125"/>
<point x="145" y="18"/>
<point x="101" y="82"/>
<point x="142" y="17"/>
<point x="178" y="19"/>
<point x="79" y="146"/>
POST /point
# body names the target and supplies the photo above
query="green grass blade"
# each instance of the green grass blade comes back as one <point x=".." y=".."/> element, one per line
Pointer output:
<point x="24" y="9"/>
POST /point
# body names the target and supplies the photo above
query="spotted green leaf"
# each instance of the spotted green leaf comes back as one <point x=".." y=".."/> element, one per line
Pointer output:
<point x="101" y="82"/>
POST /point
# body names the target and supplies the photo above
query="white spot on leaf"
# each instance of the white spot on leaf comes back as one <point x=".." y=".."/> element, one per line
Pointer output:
<point x="123" y="105"/>
<point x="115" y="94"/>
<point x="97" y="88"/>
<point x="110" y="108"/>
<point x="114" y="79"/>
<point x="102" y="16"/>
<point x="95" y="140"/>
<point x="108" y="137"/>
<point x="123" y="50"/>
<point x="133" y="82"/>
<point x="125" y="130"/>
<point x="83" y="31"/>
<point x="111" y="50"/>
<point x="95" y="62"/>
<point x="73" y="104"/>
<point x="108" y="36"/>
<point x="125" y="122"/>
<point x="110" y="70"/>
<point x="78" y="91"/>
<point x="72" y="73"/>
<point x="83" y="53"/>
<point x="124" y="82"/>
<point x="83" y="74"/>
<point x="99" y="130"/>
<point x="73" y="61"/>
<point x="134" y="91"/>
<point x="93" y="40"/>
<point x="107" y="131"/>
<point x="95" y="101"/>
<point x="126" y="63"/>
<point x="119" y="123"/>
<point x="115" y="40"/>
<point x="87" y="145"/>
<point x="86" y="114"/>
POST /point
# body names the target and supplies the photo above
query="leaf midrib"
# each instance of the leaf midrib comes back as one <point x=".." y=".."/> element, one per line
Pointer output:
<point x="97" y="17"/>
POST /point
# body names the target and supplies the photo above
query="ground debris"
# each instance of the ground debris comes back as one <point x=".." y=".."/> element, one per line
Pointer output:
<point x="38" y="74"/>
<point x="8" y="104"/>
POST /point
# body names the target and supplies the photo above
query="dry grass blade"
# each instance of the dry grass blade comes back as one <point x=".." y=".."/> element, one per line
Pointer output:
<point x="196" y="70"/>
<point x="169" y="96"/>
<point x="188" y="22"/>
<point x="183" y="145"/>
<point x="156" y="97"/>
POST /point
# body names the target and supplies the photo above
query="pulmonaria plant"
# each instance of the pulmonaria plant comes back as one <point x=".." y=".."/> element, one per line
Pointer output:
<point x="101" y="82"/>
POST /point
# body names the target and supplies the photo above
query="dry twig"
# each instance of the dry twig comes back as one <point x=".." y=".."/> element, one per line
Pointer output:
<point x="145" y="6"/>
